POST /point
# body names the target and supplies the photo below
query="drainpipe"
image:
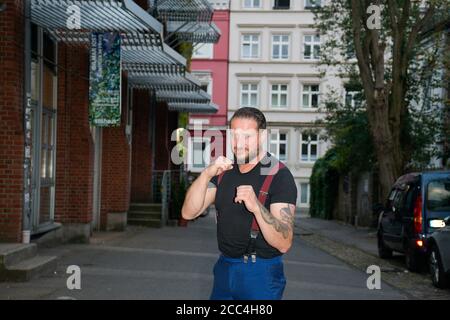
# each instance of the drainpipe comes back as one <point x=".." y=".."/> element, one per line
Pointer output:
<point x="26" y="218"/>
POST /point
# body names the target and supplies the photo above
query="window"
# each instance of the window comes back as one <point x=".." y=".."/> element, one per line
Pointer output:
<point x="250" y="46"/>
<point x="280" y="47"/>
<point x="249" y="95"/>
<point x="309" y="147"/>
<point x="252" y="3"/>
<point x="438" y="195"/>
<point x="310" y="97"/>
<point x="278" y="144"/>
<point x="282" y="4"/>
<point x="203" y="51"/>
<point x="309" y="4"/>
<point x="353" y="99"/>
<point x="43" y="122"/>
<point x="311" y="50"/>
<point x="304" y="193"/>
<point x="279" y="94"/>
<point x="200" y="152"/>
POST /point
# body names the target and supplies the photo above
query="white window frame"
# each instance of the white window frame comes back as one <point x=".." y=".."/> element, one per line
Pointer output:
<point x="278" y="142"/>
<point x="252" y="4"/>
<point x="281" y="44"/>
<point x="313" y="44"/>
<point x="307" y="6"/>
<point x="308" y="192"/>
<point x="251" y="42"/>
<point x="310" y="93"/>
<point x="249" y="92"/>
<point x="353" y="100"/>
<point x="191" y="166"/>
<point x="279" y="93"/>
<point x="309" y="143"/>
<point x="208" y="47"/>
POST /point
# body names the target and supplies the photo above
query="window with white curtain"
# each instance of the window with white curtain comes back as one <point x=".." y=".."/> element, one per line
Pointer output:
<point x="249" y="95"/>
<point x="280" y="46"/>
<point x="279" y="95"/>
<point x="250" y="46"/>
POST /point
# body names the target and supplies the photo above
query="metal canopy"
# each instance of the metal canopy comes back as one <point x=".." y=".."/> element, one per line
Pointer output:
<point x="180" y="96"/>
<point x="195" y="31"/>
<point x="162" y="82"/>
<point x="182" y="10"/>
<point x="97" y="15"/>
<point x="141" y="48"/>
<point x="193" y="107"/>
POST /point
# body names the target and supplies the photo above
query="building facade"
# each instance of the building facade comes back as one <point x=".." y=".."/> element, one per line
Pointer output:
<point x="61" y="174"/>
<point x="210" y="66"/>
<point x="274" y="53"/>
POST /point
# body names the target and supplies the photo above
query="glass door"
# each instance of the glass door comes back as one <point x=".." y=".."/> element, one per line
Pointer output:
<point x="44" y="101"/>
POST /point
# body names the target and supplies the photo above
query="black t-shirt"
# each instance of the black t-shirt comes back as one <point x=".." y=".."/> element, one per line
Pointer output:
<point x="234" y="220"/>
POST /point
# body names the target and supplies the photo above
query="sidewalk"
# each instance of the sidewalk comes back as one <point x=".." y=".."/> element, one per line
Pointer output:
<point x="364" y="239"/>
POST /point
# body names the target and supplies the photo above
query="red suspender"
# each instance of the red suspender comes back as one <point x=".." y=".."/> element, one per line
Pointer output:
<point x="265" y="190"/>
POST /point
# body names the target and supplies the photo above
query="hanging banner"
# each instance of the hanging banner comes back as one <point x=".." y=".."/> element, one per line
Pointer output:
<point x="105" y="80"/>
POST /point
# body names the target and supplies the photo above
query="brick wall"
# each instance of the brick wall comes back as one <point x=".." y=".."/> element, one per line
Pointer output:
<point x="115" y="166"/>
<point x="11" y="128"/>
<point x="141" y="172"/>
<point x="75" y="149"/>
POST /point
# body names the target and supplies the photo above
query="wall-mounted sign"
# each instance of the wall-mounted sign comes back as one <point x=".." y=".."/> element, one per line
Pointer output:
<point x="105" y="80"/>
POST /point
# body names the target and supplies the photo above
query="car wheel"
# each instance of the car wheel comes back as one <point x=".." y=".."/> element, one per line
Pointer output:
<point x="438" y="276"/>
<point x="383" y="251"/>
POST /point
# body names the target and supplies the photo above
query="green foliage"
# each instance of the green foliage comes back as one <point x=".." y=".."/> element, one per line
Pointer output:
<point x="421" y="117"/>
<point x="324" y="184"/>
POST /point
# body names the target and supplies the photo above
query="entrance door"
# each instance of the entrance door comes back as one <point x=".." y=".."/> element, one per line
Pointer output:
<point x="43" y="126"/>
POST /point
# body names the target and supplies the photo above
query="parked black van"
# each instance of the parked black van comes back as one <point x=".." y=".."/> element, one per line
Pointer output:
<point x="416" y="207"/>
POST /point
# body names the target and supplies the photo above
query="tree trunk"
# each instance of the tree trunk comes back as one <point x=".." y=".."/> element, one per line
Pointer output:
<point x="386" y="141"/>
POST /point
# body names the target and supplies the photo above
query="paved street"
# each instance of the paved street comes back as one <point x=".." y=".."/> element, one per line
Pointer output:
<point x="176" y="263"/>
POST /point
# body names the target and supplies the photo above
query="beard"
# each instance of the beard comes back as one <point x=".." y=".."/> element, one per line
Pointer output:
<point x="245" y="158"/>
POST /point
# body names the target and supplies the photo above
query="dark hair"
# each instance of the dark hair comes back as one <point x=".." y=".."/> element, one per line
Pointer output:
<point x="251" y="113"/>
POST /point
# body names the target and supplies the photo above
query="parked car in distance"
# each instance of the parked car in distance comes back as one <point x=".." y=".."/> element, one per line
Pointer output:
<point x="439" y="258"/>
<point x="416" y="207"/>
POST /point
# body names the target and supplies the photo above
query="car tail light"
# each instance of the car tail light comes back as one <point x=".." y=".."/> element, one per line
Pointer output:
<point x="418" y="215"/>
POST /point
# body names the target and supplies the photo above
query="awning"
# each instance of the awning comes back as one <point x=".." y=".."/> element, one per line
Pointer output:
<point x="196" y="32"/>
<point x="182" y="96"/>
<point x="162" y="82"/>
<point x="182" y="10"/>
<point x="141" y="49"/>
<point x="95" y="15"/>
<point x="193" y="107"/>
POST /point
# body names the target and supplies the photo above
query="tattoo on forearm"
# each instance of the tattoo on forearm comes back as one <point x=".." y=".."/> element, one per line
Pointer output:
<point x="285" y="225"/>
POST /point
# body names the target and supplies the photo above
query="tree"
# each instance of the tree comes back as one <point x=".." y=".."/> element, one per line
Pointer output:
<point x="386" y="56"/>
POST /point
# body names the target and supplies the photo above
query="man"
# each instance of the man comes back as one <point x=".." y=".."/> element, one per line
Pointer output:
<point x="234" y="188"/>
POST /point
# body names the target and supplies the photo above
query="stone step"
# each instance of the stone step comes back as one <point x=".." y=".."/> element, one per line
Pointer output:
<point x="143" y="209"/>
<point x="154" y="223"/>
<point x="140" y="206"/>
<point x="29" y="269"/>
<point x="12" y="253"/>
<point x="141" y="214"/>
